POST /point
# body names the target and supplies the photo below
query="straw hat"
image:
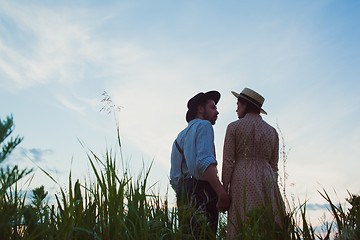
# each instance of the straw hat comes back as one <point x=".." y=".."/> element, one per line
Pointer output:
<point x="199" y="99"/>
<point x="252" y="97"/>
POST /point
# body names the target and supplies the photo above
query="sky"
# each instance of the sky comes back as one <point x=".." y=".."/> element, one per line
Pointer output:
<point x="58" y="58"/>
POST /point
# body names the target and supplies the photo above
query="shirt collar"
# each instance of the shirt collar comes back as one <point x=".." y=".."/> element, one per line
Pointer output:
<point x="194" y="121"/>
<point x="252" y="115"/>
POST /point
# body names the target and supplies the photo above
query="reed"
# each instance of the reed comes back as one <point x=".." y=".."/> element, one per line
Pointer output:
<point x="117" y="205"/>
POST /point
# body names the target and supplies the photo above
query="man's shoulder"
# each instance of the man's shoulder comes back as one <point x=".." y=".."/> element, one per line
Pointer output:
<point x="196" y="123"/>
<point x="203" y="125"/>
<point x="191" y="125"/>
<point x="181" y="133"/>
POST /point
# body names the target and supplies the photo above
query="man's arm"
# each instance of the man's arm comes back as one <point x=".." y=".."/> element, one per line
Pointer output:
<point x="206" y="163"/>
<point x="211" y="176"/>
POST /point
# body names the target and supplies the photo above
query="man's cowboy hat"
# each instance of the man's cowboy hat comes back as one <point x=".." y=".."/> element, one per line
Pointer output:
<point x="252" y="97"/>
<point x="199" y="99"/>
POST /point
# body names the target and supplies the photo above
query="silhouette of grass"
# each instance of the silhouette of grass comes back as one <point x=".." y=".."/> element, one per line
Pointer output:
<point x="119" y="206"/>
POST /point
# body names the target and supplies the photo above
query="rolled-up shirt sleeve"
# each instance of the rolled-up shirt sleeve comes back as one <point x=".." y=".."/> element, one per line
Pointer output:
<point x="205" y="149"/>
<point x="199" y="148"/>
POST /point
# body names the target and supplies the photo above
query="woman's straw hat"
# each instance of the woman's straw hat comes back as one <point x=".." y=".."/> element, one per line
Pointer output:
<point x="251" y="96"/>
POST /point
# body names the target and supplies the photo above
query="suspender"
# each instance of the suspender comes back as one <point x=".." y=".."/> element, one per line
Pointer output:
<point x="182" y="154"/>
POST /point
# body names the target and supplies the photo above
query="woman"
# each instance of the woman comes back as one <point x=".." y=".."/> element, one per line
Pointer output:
<point x="250" y="161"/>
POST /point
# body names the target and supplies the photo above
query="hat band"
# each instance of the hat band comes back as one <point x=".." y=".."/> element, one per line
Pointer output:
<point x="251" y="99"/>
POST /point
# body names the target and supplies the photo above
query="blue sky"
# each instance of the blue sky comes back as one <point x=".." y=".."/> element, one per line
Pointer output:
<point x="57" y="58"/>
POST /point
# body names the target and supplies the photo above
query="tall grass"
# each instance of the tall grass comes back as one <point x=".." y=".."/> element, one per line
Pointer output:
<point x="113" y="207"/>
<point x="116" y="205"/>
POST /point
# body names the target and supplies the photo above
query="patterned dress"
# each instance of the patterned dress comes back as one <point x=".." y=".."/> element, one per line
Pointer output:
<point x="249" y="173"/>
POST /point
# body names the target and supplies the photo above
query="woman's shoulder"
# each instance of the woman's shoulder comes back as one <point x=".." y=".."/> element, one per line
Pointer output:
<point x="269" y="128"/>
<point x="235" y="123"/>
<point x="268" y="125"/>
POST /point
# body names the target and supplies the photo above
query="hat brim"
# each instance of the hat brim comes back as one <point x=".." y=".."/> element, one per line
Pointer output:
<point x="214" y="95"/>
<point x="237" y="95"/>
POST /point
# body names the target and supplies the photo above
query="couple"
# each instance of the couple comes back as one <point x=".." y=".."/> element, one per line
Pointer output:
<point x="250" y="158"/>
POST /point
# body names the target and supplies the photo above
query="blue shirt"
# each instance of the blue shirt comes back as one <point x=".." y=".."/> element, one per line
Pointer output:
<point x="197" y="143"/>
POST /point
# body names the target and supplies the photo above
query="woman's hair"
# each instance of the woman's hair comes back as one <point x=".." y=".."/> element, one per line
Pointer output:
<point x="250" y="107"/>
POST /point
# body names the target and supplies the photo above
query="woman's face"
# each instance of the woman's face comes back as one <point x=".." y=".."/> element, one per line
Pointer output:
<point x="240" y="109"/>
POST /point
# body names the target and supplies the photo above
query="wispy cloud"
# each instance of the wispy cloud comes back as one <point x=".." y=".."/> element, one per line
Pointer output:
<point x="74" y="106"/>
<point x="317" y="206"/>
<point x="36" y="154"/>
<point x="54" y="44"/>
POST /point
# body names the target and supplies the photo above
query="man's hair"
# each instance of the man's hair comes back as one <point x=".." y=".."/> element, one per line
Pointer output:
<point x="193" y="110"/>
<point x="250" y="107"/>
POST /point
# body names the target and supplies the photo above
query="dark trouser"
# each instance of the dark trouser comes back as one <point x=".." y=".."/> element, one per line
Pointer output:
<point x="196" y="199"/>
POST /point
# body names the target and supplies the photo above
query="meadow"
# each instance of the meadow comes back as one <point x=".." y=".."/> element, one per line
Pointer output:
<point x="116" y="205"/>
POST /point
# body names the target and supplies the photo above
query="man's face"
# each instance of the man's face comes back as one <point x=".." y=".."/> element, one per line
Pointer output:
<point x="210" y="111"/>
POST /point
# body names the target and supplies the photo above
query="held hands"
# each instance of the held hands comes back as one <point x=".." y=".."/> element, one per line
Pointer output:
<point x="223" y="203"/>
<point x="211" y="176"/>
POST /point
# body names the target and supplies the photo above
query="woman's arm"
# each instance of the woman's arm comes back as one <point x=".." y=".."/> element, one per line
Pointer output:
<point x="275" y="154"/>
<point x="228" y="156"/>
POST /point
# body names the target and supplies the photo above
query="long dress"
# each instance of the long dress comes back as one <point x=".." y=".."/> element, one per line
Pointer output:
<point x="250" y="165"/>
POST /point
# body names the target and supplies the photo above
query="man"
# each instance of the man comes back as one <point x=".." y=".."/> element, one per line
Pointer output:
<point x="193" y="173"/>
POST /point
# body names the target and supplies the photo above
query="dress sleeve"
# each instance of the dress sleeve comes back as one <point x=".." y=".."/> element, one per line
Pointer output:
<point x="228" y="156"/>
<point x="204" y="144"/>
<point x="275" y="154"/>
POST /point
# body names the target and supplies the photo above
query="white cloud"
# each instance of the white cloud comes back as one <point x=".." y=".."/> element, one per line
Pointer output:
<point x="55" y="47"/>
<point x="21" y="155"/>
<point x="70" y="104"/>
